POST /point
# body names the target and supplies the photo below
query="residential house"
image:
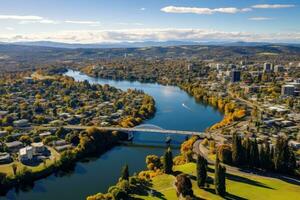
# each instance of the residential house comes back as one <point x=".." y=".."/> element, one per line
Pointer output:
<point x="14" y="146"/>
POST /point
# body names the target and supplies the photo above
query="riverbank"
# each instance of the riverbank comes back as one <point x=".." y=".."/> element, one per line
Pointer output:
<point x="89" y="174"/>
<point x="80" y="144"/>
<point x="232" y="111"/>
<point x="65" y="162"/>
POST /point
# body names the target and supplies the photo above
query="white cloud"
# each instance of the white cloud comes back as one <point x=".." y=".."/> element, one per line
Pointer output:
<point x="142" y="9"/>
<point x="20" y="17"/>
<point x="42" y="21"/>
<point x="82" y="22"/>
<point x="203" y="11"/>
<point x="260" y="18"/>
<point x="137" y="35"/>
<point x="9" y="28"/>
<point x="273" y="6"/>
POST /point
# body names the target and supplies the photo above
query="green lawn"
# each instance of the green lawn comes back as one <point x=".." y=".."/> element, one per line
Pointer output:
<point x="239" y="186"/>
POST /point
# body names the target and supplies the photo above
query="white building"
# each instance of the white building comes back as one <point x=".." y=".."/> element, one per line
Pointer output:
<point x="38" y="147"/>
<point x="26" y="153"/>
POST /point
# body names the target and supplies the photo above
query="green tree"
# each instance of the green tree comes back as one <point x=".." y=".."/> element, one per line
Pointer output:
<point x="201" y="171"/>
<point x="284" y="157"/>
<point x="168" y="161"/>
<point x="225" y="153"/>
<point x="254" y="154"/>
<point x="220" y="178"/>
<point x="14" y="168"/>
<point x="246" y="150"/>
<point x="125" y="173"/>
<point x="237" y="150"/>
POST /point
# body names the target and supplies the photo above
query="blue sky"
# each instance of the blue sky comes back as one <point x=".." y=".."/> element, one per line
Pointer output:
<point x="89" y="21"/>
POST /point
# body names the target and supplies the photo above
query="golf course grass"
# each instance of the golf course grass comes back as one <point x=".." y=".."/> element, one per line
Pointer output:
<point x="239" y="186"/>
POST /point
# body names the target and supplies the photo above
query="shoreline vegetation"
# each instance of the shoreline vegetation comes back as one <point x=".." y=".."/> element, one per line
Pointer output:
<point x="226" y="104"/>
<point x="91" y="142"/>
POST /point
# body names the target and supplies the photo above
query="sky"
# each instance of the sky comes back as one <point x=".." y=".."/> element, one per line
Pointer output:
<point x="113" y="21"/>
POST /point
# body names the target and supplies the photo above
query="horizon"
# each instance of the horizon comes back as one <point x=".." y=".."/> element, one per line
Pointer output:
<point x="79" y="22"/>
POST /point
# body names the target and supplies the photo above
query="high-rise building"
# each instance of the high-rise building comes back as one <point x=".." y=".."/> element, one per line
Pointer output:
<point x="235" y="76"/>
<point x="267" y="67"/>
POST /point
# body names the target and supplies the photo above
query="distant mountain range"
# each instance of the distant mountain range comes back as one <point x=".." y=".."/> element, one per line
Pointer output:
<point x="142" y="44"/>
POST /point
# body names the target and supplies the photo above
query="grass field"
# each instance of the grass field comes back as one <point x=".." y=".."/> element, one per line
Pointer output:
<point x="7" y="168"/>
<point x="239" y="187"/>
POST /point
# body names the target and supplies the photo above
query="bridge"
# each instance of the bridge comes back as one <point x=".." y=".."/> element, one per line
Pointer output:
<point x="132" y="130"/>
<point x="142" y="128"/>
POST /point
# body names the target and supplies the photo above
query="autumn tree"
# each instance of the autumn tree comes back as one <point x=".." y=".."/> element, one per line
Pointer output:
<point x="183" y="186"/>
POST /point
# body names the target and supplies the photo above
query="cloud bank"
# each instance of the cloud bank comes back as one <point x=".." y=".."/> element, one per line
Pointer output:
<point x="139" y="35"/>
<point x="260" y="18"/>
<point x="203" y="11"/>
<point x="273" y="6"/>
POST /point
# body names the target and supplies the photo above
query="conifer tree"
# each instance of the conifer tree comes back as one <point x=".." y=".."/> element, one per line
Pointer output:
<point x="254" y="154"/>
<point x="125" y="173"/>
<point x="168" y="161"/>
<point x="284" y="158"/>
<point x="237" y="150"/>
<point x="220" y="178"/>
<point x="201" y="171"/>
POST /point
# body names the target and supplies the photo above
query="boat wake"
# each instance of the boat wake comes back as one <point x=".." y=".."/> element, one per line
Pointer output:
<point x="185" y="106"/>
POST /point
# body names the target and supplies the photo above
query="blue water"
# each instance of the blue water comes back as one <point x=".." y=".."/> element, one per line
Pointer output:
<point x="175" y="110"/>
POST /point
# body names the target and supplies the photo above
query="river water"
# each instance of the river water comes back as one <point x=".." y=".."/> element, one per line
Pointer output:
<point x="175" y="110"/>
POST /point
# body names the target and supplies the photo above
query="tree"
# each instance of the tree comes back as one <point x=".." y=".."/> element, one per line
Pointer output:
<point x="25" y="139"/>
<point x="14" y="168"/>
<point x="284" y="157"/>
<point x="201" y="171"/>
<point x="153" y="162"/>
<point x="220" y="178"/>
<point x="183" y="186"/>
<point x="61" y="132"/>
<point x="168" y="161"/>
<point x="246" y="150"/>
<point x="237" y="150"/>
<point x="225" y="153"/>
<point x="254" y="154"/>
<point x="125" y="173"/>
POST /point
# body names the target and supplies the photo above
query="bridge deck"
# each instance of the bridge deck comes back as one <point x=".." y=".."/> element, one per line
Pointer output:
<point x="131" y="130"/>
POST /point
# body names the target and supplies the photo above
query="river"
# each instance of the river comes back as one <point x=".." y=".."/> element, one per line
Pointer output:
<point x="175" y="110"/>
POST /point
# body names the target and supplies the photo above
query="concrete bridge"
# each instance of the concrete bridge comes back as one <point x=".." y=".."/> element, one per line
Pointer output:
<point x="132" y="130"/>
<point x="143" y="128"/>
